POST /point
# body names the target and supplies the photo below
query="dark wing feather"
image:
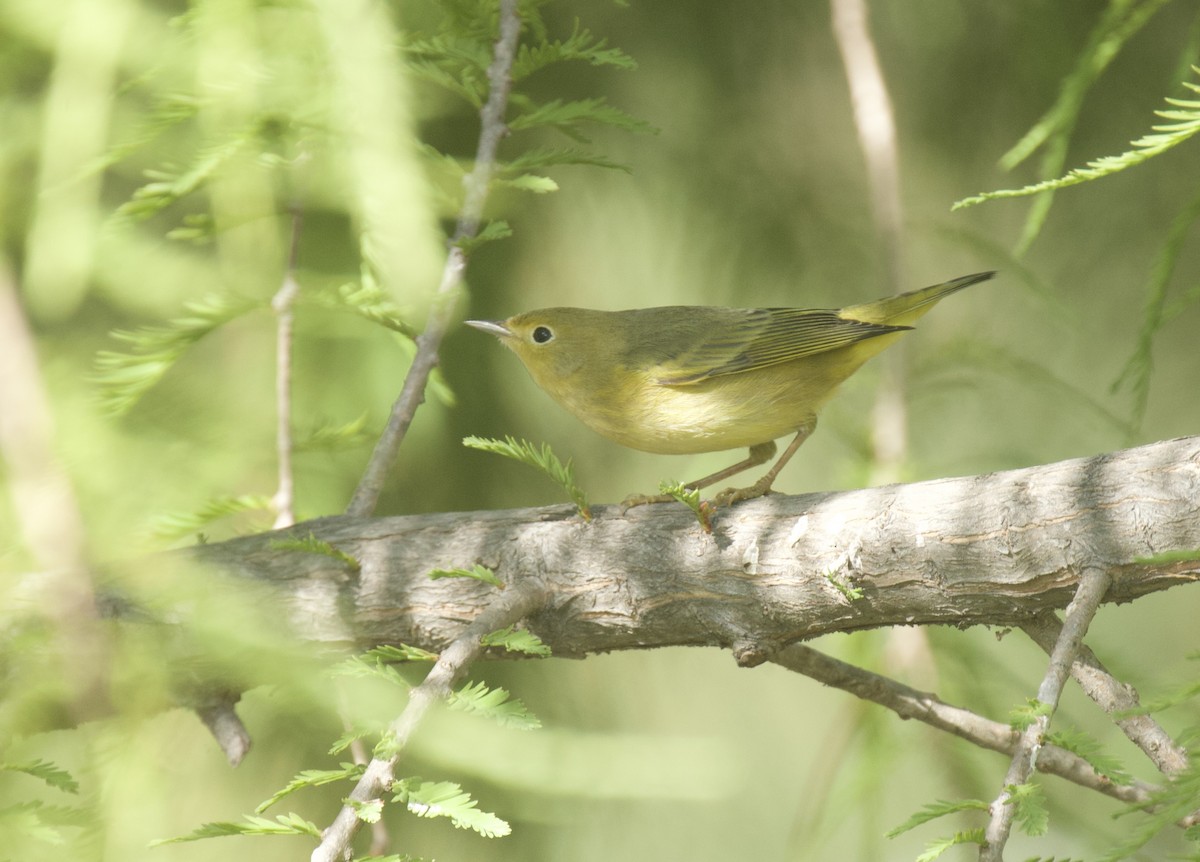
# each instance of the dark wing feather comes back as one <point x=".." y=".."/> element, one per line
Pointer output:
<point x="763" y="337"/>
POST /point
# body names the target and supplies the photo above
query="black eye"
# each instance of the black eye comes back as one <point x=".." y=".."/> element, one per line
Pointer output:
<point x="542" y="334"/>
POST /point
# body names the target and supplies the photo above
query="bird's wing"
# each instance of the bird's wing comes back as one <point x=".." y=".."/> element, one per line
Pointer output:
<point x="763" y="337"/>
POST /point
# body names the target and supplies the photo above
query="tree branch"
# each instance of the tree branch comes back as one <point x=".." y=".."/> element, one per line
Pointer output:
<point x="450" y="667"/>
<point x="1113" y="696"/>
<point x="925" y="707"/>
<point x="996" y="549"/>
<point x="478" y="183"/>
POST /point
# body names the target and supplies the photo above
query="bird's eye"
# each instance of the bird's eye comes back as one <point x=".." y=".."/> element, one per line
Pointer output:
<point x="542" y="334"/>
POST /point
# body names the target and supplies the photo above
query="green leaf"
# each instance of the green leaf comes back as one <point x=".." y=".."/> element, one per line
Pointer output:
<point x="478" y="699"/>
<point x="530" y="183"/>
<point x="367" y="812"/>
<point x="544" y="460"/>
<point x="447" y="799"/>
<point x="540" y="158"/>
<point x="1145" y="148"/>
<point x="310" y="544"/>
<point x="124" y="377"/>
<point x="477" y="572"/>
<point x="330" y="437"/>
<point x="518" y="640"/>
<point x="1088" y="747"/>
<point x="53" y="775"/>
<point x="567" y="115"/>
<point x="176" y="525"/>
<point x="367" y="300"/>
<point x="398" y="654"/>
<point x="491" y="232"/>
<point x="939" y="846"/>
<point x="283" y="824"/>
<point x="313" y="778"/>
<point x="350" y="736"/>
<point x="936" y="810"/>
<point x="579" y="46"/>
<point x="690" y="497"/>
<point x="1022" y="717"/>
<point x="1029" y="808"/>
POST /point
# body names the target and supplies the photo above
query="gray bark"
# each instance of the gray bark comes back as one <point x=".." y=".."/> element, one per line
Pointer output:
<point x="992" y="549"/>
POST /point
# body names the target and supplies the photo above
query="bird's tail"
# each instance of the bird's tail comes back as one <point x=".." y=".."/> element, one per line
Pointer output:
<point x="903" y="309"/>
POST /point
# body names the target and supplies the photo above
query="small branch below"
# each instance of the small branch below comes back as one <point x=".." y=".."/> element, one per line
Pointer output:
<point x="1093" y="586"/>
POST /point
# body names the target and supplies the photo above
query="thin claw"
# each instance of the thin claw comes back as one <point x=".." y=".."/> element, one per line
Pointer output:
<point x="736" y="495"/>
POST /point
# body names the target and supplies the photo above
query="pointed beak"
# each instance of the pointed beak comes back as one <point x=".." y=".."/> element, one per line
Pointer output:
<point x="495" y="327"/>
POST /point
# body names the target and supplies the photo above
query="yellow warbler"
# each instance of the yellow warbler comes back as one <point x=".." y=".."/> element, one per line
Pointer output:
<point x="685" y="379"/>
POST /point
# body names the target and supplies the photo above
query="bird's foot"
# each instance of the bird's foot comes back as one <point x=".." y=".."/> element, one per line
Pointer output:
<point x="736" y="495"/>
<point x="643" y="500"/>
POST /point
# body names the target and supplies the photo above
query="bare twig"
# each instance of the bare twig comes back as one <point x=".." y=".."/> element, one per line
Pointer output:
<point x="226" y="728"/>
<point x="478" y="183"/>
<point x="876" y="127"/>
<point x="1092" y="586"/>
<point x="1113" y="696"/>
<point x="928" y="708"/>
<point x="282" y="304"/>
<point x="515" y="604"/>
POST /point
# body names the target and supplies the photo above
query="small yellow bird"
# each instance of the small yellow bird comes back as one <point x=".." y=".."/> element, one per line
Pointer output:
<point x="686" y="379"/>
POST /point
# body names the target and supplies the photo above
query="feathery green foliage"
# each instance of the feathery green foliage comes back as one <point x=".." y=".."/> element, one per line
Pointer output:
<point x="1171" y="802"/>
<point x="310" y="544"/>
<point x="939" y="846"/>
<point x="476" y="572"/>
<point x="1029" y="808"/>
<point x="516" y="640"/>
<point x="53" y="775"/>
<point x="1021" y="717"/>
<point x="478" y="699"/>
<point x="934" y="810"/>
<point x="283" y="824"/>
<point x="1186" y="117"/>
<point x="124" y="377"/>
<point x="313" y="778"/>
<point x="1120" y="21"/>
<point x="1088" y="747"/>
<point x="175" y="525"/>
<point x="848" y="590"/>
<point x="542" y="459"/>
<point x="690" y="497"/>
<point x="447" y="799"/>
<point x="330" y="437"/>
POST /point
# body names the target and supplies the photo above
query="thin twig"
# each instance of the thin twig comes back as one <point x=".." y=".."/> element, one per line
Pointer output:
<point x="1092" y="586"/>
<point x="876" y="126"/>
<point x="515" y="604"/>
<point x="284" y="501"/>
<point x="929" y="709"/>
<point x="1113" y="696"/>
<point x="478" y="183"/>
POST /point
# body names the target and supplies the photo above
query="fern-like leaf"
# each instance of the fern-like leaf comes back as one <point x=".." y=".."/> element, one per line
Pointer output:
<point x="495" y="703"/>
<point x="580" y="46"/>
<point x="690" y="497"/>
<point x="476" y="572"/>
<point x="1088" y="747"/>
<point x="935" y="810"/>
<point x="310" y="544"/>
<point x="313" y="778"/>
<point x="1029" y="808"/>
<point x="283" y="824"/>
<point x="1165" y="137"/>
<point x="55" y="776"/>
<point x="175" y="525"/>
<point x="447" y="799"/>
<point x="939" y="846"/>
<point x="125" y="377"/>
<point x="518" y="640"/>
<point x="542" y="459"/>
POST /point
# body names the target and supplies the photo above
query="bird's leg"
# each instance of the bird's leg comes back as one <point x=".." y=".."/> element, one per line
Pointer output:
<point x="734" y="495"/>
<point x="760" y="453"/>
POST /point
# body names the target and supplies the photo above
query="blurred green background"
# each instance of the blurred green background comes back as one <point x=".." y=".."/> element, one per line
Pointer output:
<point x="751" y="192"/>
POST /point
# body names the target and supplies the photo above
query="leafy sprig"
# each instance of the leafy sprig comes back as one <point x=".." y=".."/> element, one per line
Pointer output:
<point x="542" y="459"/>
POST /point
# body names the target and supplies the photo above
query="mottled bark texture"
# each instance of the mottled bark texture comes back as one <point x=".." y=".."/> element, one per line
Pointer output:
<point x="994" y="549"/>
